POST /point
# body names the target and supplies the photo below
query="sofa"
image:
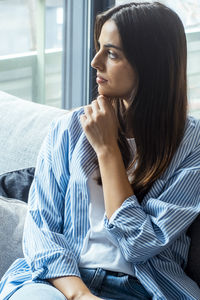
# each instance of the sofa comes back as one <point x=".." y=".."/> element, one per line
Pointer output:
<point x="23" y="127"/>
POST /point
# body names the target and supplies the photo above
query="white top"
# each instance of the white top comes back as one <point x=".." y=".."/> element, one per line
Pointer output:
<point x="100" y="249"/>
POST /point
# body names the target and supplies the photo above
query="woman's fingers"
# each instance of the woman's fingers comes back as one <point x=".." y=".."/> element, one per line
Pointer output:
<point x="105" y="103"/>
<point x="101" y="104"/>
<point x="92" y="111"/>
<point x="88" y="111"/>
<point x="95" y="107"/>
<point x="83" y="119"/>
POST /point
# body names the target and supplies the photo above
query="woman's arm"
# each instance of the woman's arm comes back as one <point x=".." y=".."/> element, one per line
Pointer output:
<point x="73" y="288"/>
<point x="47" y="251"/>
<point x="45" y="247"/>
<point x="141" y="231"/>
<point x="116" y="187"/>
<point x="145" y="231"/>
<point x="101" y="128"/>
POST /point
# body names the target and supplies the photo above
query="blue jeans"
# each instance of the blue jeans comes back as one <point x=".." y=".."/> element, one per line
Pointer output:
<point x="104" y="284"/>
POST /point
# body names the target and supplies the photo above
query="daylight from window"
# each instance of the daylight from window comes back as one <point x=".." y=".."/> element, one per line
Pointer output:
<point x="31" y="49"/>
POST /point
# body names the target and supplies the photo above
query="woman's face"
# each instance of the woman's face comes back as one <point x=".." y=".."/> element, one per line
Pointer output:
<point x="115" y="75"/>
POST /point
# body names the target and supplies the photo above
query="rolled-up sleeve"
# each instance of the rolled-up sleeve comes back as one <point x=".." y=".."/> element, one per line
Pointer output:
<point x="45" y="247"/>
<point x="143" y="231"/>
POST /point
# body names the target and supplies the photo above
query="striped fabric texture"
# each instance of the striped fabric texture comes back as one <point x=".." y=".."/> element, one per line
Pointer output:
<point x="151" y="236"/>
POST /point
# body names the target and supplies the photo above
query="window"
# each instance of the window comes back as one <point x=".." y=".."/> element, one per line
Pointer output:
<point x="189" y="12"/>
<point x="31" y="49"/>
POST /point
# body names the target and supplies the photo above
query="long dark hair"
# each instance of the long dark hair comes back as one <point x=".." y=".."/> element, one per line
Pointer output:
<point x="154" y="43"/>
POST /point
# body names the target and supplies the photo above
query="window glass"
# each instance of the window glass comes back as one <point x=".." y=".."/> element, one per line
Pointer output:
<point x="54" y="41"/>
<point x="54" y="24"/>
<point x="15" y="27"/>
<point x="31" y="49"/>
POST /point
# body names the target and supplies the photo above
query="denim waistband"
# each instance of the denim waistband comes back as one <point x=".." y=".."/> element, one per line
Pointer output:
<point x="117" y="274"/>
<point x="113" y="273"/>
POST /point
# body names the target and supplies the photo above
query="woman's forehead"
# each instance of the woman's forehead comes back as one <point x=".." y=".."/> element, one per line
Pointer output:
<point x="110" y="34"/>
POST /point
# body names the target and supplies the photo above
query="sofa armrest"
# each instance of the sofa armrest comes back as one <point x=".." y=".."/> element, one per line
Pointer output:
<point x="24" y="125"/>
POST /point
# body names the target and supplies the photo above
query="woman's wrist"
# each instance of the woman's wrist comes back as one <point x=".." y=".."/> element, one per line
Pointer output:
<point x="108" y="150"/>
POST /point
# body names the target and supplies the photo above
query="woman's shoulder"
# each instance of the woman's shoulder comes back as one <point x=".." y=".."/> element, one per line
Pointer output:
<point x="192" y="132"/>
<point x="190" y="143"/>
<point x="70" y="119"/>
<point x="187" y="156"/>
<point x="192" y="121"/>
<point x="68" y="123"/>
<point x="65" y="130"/>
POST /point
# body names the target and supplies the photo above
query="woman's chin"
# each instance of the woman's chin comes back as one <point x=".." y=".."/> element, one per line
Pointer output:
<point x="106" y="93"/>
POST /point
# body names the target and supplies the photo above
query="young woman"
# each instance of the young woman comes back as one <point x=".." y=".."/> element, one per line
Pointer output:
<point x="117" y="182"/>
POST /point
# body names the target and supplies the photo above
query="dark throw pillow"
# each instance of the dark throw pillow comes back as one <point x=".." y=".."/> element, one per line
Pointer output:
<point x="16" y="184"/>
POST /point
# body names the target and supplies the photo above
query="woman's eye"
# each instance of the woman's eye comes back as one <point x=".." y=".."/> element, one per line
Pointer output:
<point x="112" y="55"/>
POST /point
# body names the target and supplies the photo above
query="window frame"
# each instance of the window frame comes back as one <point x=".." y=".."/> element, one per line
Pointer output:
<point x="78" y="50"/>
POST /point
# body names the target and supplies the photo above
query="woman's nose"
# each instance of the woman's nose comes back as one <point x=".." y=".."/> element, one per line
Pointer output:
<point x="96" y="63"/>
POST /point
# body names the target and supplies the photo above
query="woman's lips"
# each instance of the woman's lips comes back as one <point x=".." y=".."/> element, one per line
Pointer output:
<point x="100" y="80"/>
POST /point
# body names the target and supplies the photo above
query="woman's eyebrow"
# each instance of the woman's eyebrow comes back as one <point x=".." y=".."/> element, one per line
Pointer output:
<point x="110" y="46"/>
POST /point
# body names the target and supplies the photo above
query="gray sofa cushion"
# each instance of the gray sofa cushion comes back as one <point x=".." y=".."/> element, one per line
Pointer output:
<point x="12" y="216"/>
<point x="23" y="127"/>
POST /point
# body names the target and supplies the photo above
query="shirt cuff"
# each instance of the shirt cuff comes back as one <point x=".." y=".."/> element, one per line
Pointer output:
<point x="110" y="224"/>
<point x="55" y="267"/>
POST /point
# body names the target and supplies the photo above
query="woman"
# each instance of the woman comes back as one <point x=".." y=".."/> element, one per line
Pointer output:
<point x="117" y="182"/>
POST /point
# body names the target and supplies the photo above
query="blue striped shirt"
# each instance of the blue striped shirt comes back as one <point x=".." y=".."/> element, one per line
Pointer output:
<point x="151" y="235"/>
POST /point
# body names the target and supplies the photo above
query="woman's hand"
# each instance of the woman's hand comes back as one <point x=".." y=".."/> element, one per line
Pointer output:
<point x="100" y="124"/>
